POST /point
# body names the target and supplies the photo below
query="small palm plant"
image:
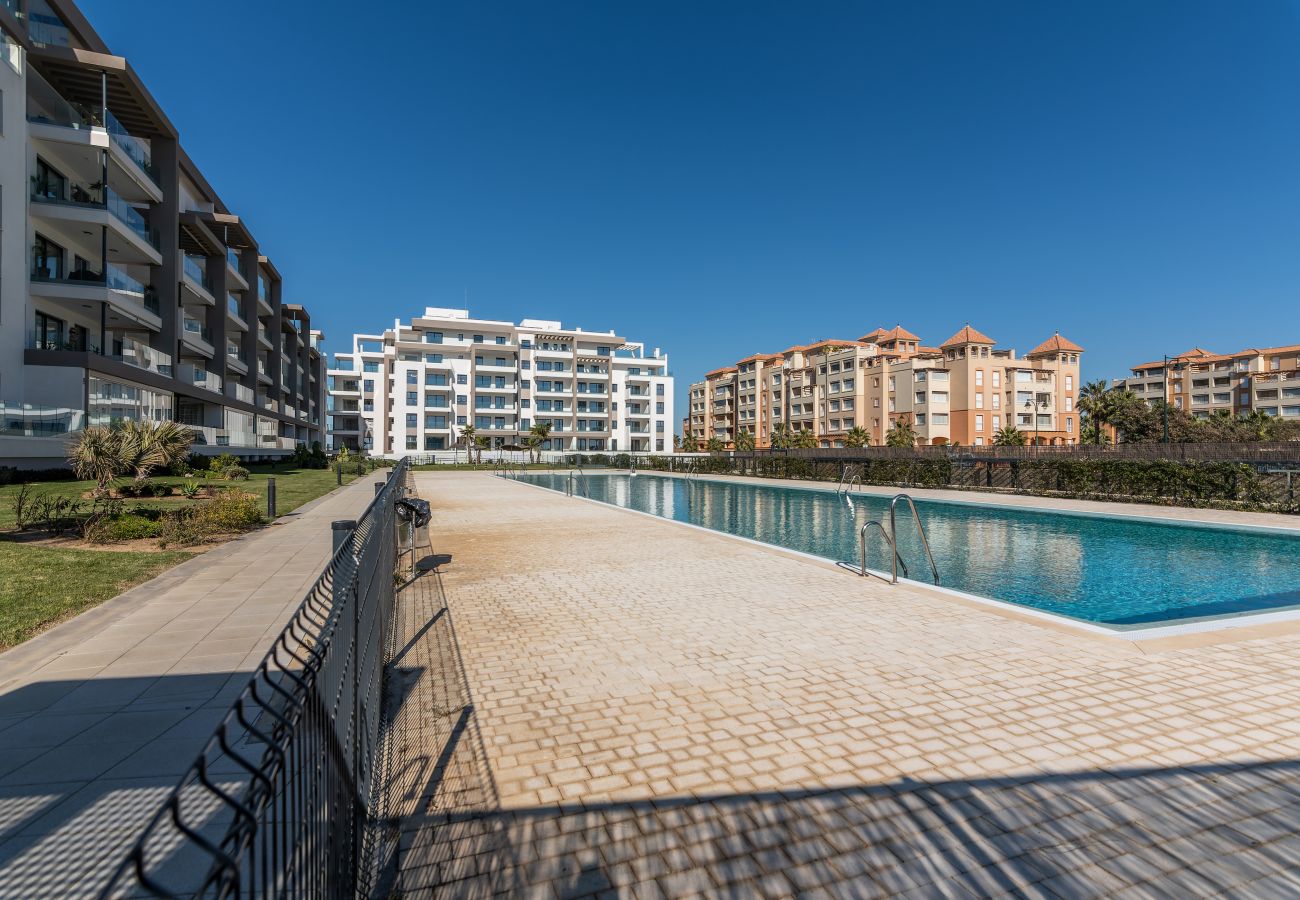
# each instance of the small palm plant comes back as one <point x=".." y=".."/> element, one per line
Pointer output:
<point x="1009" y="436"/>
<point x="745" y="441"/>
<point x="97" y="454"/>
<point x="856" y="437"/>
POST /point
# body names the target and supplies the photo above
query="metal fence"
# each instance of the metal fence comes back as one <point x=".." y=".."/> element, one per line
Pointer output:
<point x="278" y="801"/>
<point x="1255" y="451"/>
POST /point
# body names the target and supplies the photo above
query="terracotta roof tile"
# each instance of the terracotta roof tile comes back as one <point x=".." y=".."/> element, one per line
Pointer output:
<point x="1055" y="344"/>
<point x="967" y="335"/>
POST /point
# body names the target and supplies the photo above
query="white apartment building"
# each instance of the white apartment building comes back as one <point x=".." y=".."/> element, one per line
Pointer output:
<point x="413" y="388"/>
<point x="127" y="288"/>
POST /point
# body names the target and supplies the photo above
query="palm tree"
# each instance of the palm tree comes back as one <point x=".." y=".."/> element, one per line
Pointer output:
<point x="687" y="444"/>
<point x="805" y="440"/>
<point x="154" y="445"/>
<point x="714" y="445"/>
<point x="1096" y="403"/>
<point x="1009" y="436"/>
<point x="106" y="452"/>
<point x="467" y="433"/>
<point x="745" y="441"/>
<point x="480" y="444"/>
<point x="538" y="435"/>
<point x="97" y="453"/>
<point x="1259" y="423"/>
<point x="900" y="434"/>
<point x="782" y="436"/>
<point x="856" y="437"/>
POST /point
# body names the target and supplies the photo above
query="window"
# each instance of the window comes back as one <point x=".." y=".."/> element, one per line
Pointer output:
<point x="997" y="379"/>
<point x="997" y="401"/>
<point x="979" y="401"/>
<point x="370" y="367"/>
<point x="478" y="338"/>
<point x="412" y="398"/>
<point x="979" y="377"/>
<point x="433" y="357"/>
<point x="462" y="379"/>
<point x="412" y="421"/>
<point x="979" y="423"/>
<point x="659" y="408"/>
<point x="368" y="385"/>
<point x="461" y="399"/>
<point x="997" y="423"/>
<point x="433" y="337"/>
<point x="1069" y="382"/>
<point x="412" y="377"/>
<point x="920" y="418"/>
<point x="437" y="379"/>
<point x="1069" y="425"/>
<point x="1069" y="404"/>
<point x="410" y="442"/>
<point x="920" y="397"/>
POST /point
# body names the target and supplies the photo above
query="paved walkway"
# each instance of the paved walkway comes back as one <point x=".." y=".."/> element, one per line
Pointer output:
<point x="645" y="709"/>
<point x="100" y="716"/>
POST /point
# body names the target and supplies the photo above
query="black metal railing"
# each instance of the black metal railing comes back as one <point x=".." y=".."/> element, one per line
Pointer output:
<point x="279" y="801"/>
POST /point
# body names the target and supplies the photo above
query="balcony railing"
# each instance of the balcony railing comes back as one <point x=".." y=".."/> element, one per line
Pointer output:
<point x="239" y="392"/>
<point x="199" y="377"/>
<point x="136" y="148"/>
<point x="197" y="328"/>
<point x="197" y="272"/>
<point x="142" y="356"/>
<point x="29" y="420"/>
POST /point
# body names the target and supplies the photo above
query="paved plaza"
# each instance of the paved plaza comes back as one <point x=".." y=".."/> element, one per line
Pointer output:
<point x="595" y="702"/>
<point x="100" y="716"/>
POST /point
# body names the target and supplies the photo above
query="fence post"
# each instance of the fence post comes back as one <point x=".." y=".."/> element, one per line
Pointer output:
<point x="341" y="529"/>
<point x="270" y="498"/>
<point x="338" y="473"/>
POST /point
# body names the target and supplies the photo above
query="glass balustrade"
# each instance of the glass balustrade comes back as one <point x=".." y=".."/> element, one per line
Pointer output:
<point x="195" y="327"/>
<point x="197" y="272"/>
<point x="136" y="148"/>
<point x="30" y="420"/>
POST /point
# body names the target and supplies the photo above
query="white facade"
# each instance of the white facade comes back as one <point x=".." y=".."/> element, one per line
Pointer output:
<point x="414" y="387"/>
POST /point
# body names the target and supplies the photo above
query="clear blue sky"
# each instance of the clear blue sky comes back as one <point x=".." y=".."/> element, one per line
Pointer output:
<point x="718" y="178"/>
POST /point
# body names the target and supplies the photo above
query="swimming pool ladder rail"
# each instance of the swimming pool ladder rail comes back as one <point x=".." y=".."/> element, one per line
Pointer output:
<point x="891" y="539"/>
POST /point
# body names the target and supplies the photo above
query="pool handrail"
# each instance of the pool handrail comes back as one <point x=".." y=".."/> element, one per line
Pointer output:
<point x="889" y="541"/>
<point x="920" y="529"/>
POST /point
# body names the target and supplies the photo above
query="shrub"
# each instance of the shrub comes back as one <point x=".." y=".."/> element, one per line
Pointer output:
<point x="12" y="475"/>
<point x="229" y="512"/>
<point x="235" y="473"/>
<point x="191" y="489"/>
<point x="129" y="527"/>
<point x="222" y="462"/>
<point x="53" y="513"/>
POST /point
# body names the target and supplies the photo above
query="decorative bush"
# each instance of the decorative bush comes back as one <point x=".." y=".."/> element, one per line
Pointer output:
<point x="235" y="473"/>
<point x="229" y="512"/>
<point x="128" y="527"/>
<point x="222" y="462"/>
<point x="191" y="489"/>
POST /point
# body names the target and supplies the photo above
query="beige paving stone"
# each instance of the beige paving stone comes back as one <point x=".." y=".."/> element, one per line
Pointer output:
<point x="763" y="724"/>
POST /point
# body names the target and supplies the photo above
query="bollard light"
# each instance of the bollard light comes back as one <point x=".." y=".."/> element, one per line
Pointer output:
<point x="270" y="498"/>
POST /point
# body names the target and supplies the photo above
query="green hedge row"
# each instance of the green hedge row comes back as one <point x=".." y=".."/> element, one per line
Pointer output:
<point x="1235" y="485"/>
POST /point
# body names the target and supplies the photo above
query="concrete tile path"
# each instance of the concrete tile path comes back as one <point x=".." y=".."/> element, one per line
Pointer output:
<point x="599" y="703"/>
<point x="101" y="715"/>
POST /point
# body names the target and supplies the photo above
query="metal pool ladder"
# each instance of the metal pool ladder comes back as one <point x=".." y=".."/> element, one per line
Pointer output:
<point x="577" y="481"/>
<point x="847" y="480"/>
<point x="891" y="540"/>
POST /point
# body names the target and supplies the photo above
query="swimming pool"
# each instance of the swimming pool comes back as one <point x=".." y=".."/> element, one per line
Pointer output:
<point x="1122" y="573"/>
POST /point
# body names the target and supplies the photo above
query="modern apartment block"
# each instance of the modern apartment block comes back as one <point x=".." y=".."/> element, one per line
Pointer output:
<point x="416" y="385"/>
<point x="1203" y="383"/>
<point x="127" y="288"/>
<point x="965" y="390"/>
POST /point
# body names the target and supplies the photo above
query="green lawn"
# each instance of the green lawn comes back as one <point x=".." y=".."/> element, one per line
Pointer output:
<point x="293" y="488"/>
<point x="40" y="587"/>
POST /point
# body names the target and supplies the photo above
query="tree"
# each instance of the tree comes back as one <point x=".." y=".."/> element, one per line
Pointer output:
<point x="537" y="436"/>
<point x="1009" y="436"/>
<point x="782" y="436"/>
<point x="714" y="445"/>
<point x="106" y="452"/>
<point x="1097" y="404"/>
<point x="900" y="434"/>
<point x="688" y="444"/>
<point x="467" y="439"/>
<point x="480" y="444"/>
<point x="857" y="436"/>
<point x="745" y="441"/>
<point x="805" y="440"/>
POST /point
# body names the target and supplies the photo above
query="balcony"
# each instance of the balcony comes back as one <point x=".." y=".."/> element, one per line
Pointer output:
<point x="28" y="420"/>
<point x="142" y="356"/>
<point x="196" y="281"/>
<point x="198" y="377"/>
<point x="53" y="118"/>
<point x="263" y="337"/>
<point x="239" y="392"/>
<point x="127" y="297"/>
<point x="73" y="206"/>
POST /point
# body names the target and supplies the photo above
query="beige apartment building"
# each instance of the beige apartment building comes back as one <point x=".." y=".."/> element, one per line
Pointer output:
<point x="1203" y="383"/>
<point x="963" y="391"/>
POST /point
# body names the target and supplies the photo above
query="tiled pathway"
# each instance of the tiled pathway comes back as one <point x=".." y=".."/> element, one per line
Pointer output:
<point x="650" y="710"/>
<point x="101" y="715"/>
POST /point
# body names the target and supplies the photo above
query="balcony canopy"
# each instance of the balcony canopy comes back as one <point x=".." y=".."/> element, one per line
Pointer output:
<point x="79" y="76"/>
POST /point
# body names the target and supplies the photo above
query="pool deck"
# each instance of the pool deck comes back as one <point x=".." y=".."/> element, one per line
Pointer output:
<point x="601" y="702"/>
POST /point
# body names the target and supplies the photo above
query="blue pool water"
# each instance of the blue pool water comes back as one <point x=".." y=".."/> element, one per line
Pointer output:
<point x="1117" y="572"/>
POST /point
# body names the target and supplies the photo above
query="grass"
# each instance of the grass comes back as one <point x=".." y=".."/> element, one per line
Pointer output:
<point x="40" y="586"/>
<point x="293" y="488"/>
